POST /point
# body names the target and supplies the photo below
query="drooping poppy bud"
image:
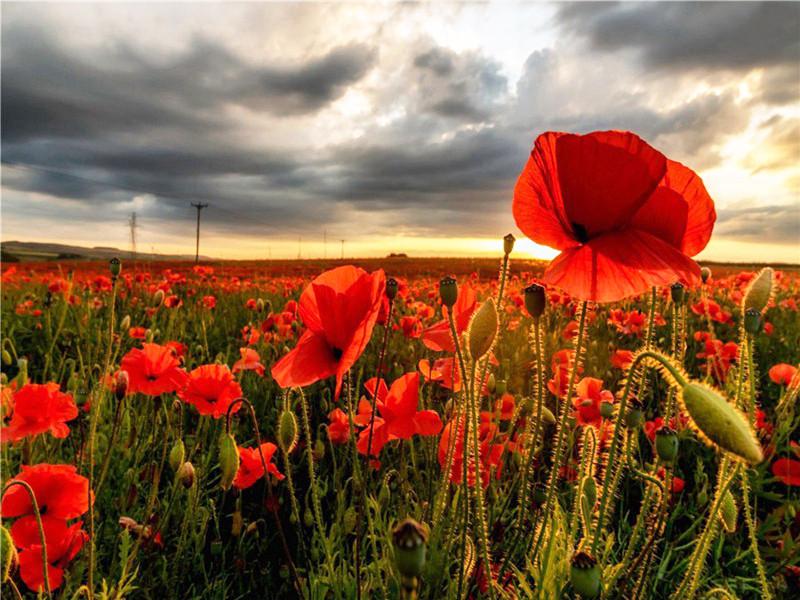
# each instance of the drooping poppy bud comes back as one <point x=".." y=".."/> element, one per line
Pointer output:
<point x="752" y="321"/>
<point x="287" y="431"/>
<point x="121" y="385"/>
<point x="705" y="274"/>
<point x="606" y="410"/>
<point x="186" y="474"/>
<point x="585" y="574"/>
<point x="391" y="288"/>
<point x="508" y="243"/>
<point x="728" y="512"/>
<point x="678" y="293"/>
<point x="448" y="291"/>
<point x="228" y="460"/>
<point x="483" y="329"/>
<point x="535" y="300"/>
<point x="410" y="547"/>
<point x="125" y="324"/>
<point x="667" y="444"/>
<point x="177" y="455"/>
<point x="158" y="298"/>
<point x="8" y="552"/>
<point x="635" y="416"/>
<point x="115" y="266"/>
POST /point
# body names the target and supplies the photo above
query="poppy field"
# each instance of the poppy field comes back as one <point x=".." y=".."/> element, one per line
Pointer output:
<point x="620" y="422"/>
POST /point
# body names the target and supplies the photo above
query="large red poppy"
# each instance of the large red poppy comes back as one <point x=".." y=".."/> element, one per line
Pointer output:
<point x="153" y="370"/>
<point x="623" y="215"/>
<point x="40" y="409"/>
<point x="211" y="389"/>
<point x="60" y="492"/>
<point x="63" y="544"/>
<point x="339" y="309"/>
<point x="251" y="469"/>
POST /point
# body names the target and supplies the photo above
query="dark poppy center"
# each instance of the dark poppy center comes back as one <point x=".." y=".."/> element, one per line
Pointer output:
<point x="43" y="509"/>
<point x="580" y="233"/>
<point x="151" y="378"/>
<point x="337" y="354"/>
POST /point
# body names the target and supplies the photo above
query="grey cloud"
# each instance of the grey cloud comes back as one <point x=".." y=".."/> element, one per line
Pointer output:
<point x="766" y="224"/>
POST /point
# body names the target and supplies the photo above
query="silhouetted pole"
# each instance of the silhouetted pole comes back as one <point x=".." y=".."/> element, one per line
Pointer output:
<point x="199" y="206"/>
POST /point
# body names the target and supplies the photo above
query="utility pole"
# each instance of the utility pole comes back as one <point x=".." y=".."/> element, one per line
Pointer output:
<point x="199" y="206"/>
<point x="342" y="248"/>
<point x="325" y="244"/>
<point x="133" y="225"/>
<point x="299" y="247"/>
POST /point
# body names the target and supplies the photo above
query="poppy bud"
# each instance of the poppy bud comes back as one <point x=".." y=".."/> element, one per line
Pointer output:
<point x="606" y="410"/>
<point x="501" y="387"/>
<point x="22" y="375"/>
<point x="491" y="383"/>
<point x="7" y="360"/>
<point x="728" y="512"/>
<point x="585" y="575"/>
<point x="260" y="305"/>
<point x="752" y="321"/>
<point x="349" y="521"/>
<point x="228" y="460"/>
<point x="177" y="455"/>
<point x="287" y="431"/>
<point x="319" y="450"/>
<point x="702" y="497"/>
<point x="720" y="422"/>
<point x="678" y="292"/>
<point x="186" y="474"/>
<point x="482" y="329"/>
<point x="705" y="274"/>
<point x="308" y="517"/>
<point x="125" y="324"/>
<point x="759" y="291"/>
<point x="448" y="291"/>
<point x="391" y="288"/>
<point x="667" y="444"/>
<point x="148" y="336"/>
<point x="115" y="266"/>
<point x="410" y="547"/>
<point x="158" y="298"/>
<point x="8" y="553"/>
<point x="535" y="300"/>
<point x="121" y="385"/>
<point x="589" y="491"/>
<point x="548" y="416"/>
<point x="508" y="243"/>
<point x="635" y="416"/>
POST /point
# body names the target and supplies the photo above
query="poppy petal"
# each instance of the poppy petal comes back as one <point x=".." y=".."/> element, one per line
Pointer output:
<point x="428" y="422"/>
<point x="309" y="361"/>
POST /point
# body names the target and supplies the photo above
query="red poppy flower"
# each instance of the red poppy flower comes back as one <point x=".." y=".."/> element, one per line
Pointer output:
<point x="63" y="544"/>
<point x="339" y="310"/>
<point x="211" y="389"/>
<point x="589" y="395"/>
<point x="338" y="426"/>
<point x="490" y="450"/>
<point x="251" y="469"/>
<point x="437" y="337"/>
<point x="137" y="333"/>
<point x="561" y="362"/>
<point x="40" y="409"/>
<point x="787" y="470"/>
<point x="622" y="359"/>
<point x="250" y="361"/>
<point x="153" y="370"/>
<point x="60" y="493"/>
<point x="782" y="374"/>
<point x="624" y="216"/>
<point x="399" y="418"/>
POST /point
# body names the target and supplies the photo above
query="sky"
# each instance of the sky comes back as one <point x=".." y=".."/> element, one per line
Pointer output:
<point x="393" y="127"/>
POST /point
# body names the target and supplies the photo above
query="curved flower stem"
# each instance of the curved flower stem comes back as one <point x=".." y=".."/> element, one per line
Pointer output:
<point x="38" y="516"/>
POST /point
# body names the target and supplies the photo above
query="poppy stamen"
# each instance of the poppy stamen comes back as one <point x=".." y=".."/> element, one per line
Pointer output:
<point x="580" y="232"/>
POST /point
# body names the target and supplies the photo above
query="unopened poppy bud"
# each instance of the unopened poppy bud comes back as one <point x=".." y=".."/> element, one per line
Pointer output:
<point x="720" y="423"/>
<point x="501" y="387"/>
<point x="391" y="288"/>
<point x="548" y="416"/>
<point x="759" y="292"/>
<point x="482" y="329"/>
<point x="585" y="575"/>
<point x="287" y="431"/>
<point x="535" y="300"/>
<point x="22" y="375"/>
<point x="148" y="336"/>
<point x="491" y="383"/>
<point x="410" y="547"/>
<point x="121" y="385"/>
<point x="349" y="521"/>
<point x="125" y="324"/>
<point x="508" y="243"/>
<point x="308" y="517"/>
<point x="678" y="292"/>
<point x="228" y="460"/>
<point x="7" y="360"/>
<point x="8" y="553"/>
<point x="728" y="512"/>
<point x="448" y="291"/>
<point x="705" y="274"/>
<point x="260" y="305"/>
<point x="115" y="266"/>
<point x="3" y="379"/>
<point x="186" y="474"/>
<point x="702" y="497"/>
<point x="667" y="444"/>
<point x="177" y="455"/>
<point x="158" y="298"/>
<point x="606" y="410"/>
<point x="589" y="491"/>
<point x="752" y="321"/>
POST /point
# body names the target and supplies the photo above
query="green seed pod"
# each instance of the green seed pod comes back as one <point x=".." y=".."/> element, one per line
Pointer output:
<point x="349" y="521"/>
<point x="508" y="243"/>
<point x="752" y="321"/>
<point x="483" y="329"/>
<point x="705" y="274"/>
<point x="228" y="460"/>
<point x="391" y="288"/>
<point x="186" y="474"/>
<point x="720" y="423"/>
<point x="410" y="547"/>
<point x="535" y="300"/>
<point x="448" y="291"/>
<point x="667" y="444"/>
<point x="585" y="575"/>
<point x="287" y="431"/>
<point x="8" y="553"/>
<point x="678" y="292"/>
<point x="728" y="512"/>
<point x="177" y="455"/>
<point x="759" y="291"/>
<point x="115" y="266"/>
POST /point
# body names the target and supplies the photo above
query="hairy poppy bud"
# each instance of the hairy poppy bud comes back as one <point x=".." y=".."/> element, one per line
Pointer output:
<point x="287" y="431"/>
<point x="482" y="329"/>
<point x="501" y="387"/>
<point x="728" y="512"/>
<point x="7" y="360"/>
<point x="260" y="305"/>
<point x="391" y="288"/>
<point x="667" y="444"/>
<point x="448" y="291"/>
<point x="186" y="474"/>
<point x="635" y="416"/>
<point x="22" y="375"/>
<point x="491" y="383"/>
<point x="508" y="243"/>
<point x="759" y="291"/>
<point x="308" y="517"/>
<point x="125" y="324"/>
<point x="115" y="266"/>
<point x="535" y="300"/>
<point x="121" y="385"/>
<point x="585" y="575"/>
<point x="158" y="298"/>
<point x="177" y="455"/>
<point x="228" y="460"/>
<point x="8" y="553"/>
<point x="548" y="416"/>
<point x="148" y="336"/>
<point x="410" y="547"/>
<point x="705" y="274"/>
<point x="678" y="292"/>
<point x="752" y="321"/>
<point x="606" y="410"/>
<point x="720" y="423"/>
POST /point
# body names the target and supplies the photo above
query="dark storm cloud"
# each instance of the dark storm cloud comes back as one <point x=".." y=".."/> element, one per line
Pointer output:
<point x="765" y="224"/>
<point x="717" y="35"/>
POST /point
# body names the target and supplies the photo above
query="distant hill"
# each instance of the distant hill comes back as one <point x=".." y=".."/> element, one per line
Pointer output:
<point x="14" y="251"/>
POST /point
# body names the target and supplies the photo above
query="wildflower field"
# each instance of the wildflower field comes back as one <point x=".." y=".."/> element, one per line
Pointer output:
<point x="618" y="423"/>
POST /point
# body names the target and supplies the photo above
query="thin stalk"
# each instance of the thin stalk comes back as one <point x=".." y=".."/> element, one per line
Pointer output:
<point x="38" y="516"/>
